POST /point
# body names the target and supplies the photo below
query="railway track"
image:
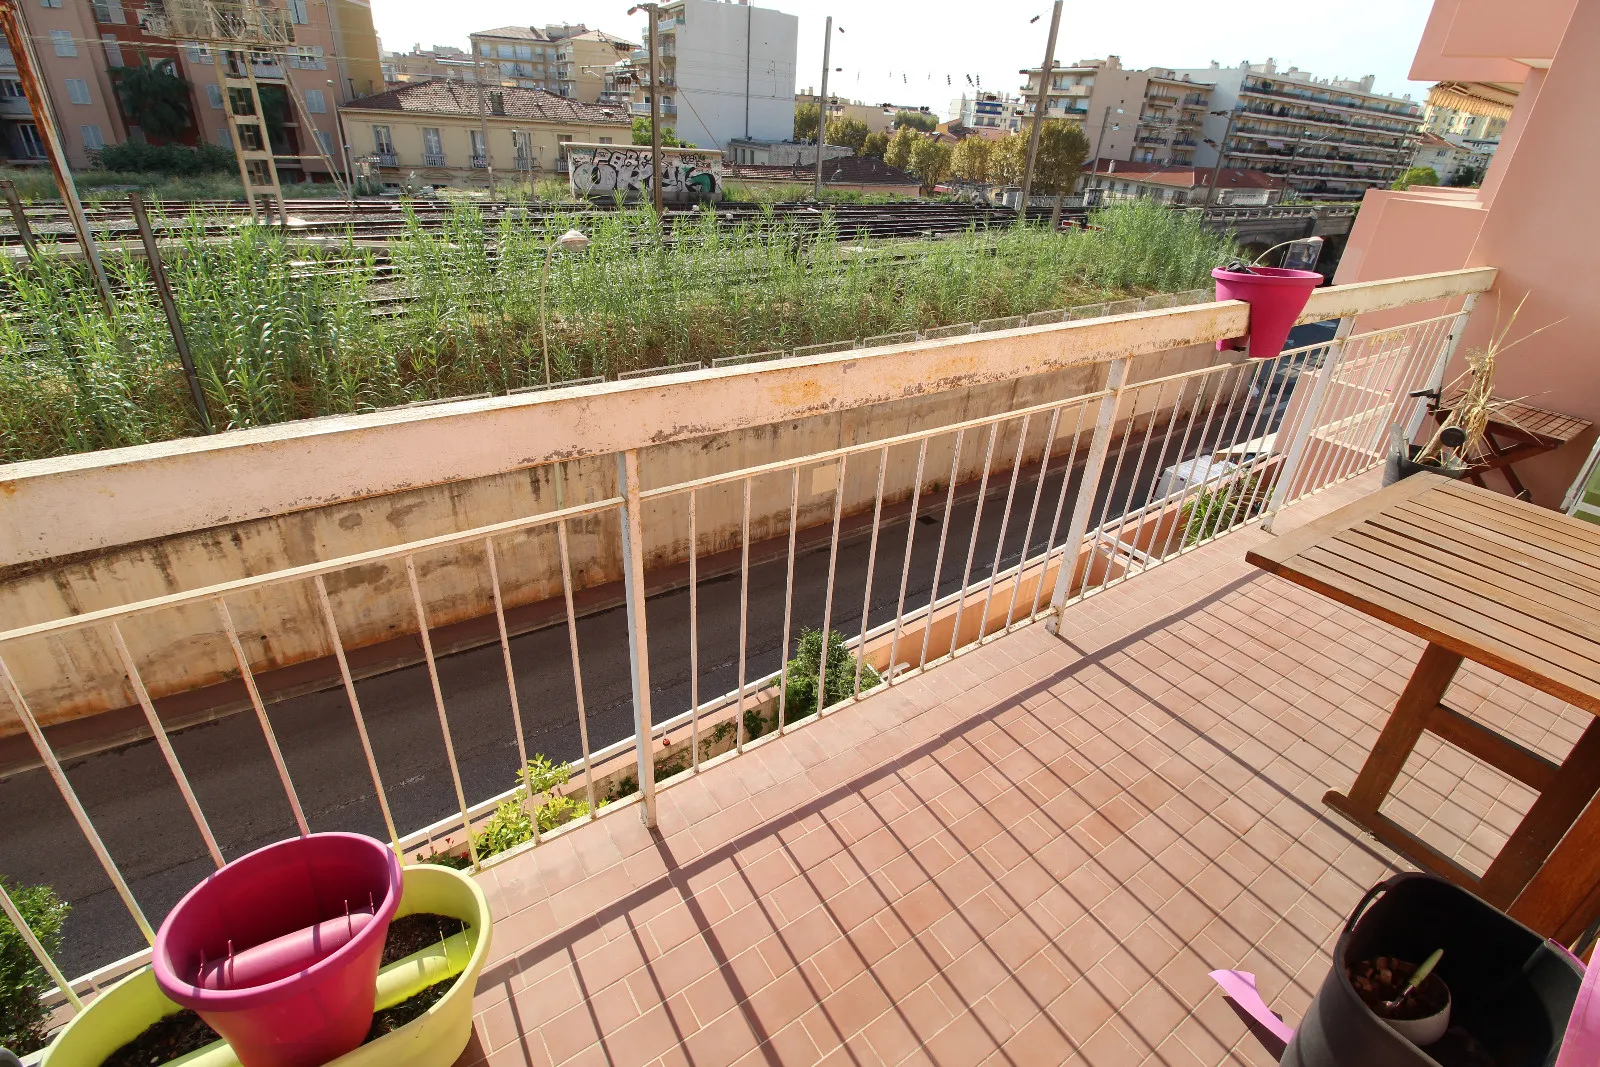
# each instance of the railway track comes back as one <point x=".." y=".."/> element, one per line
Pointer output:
<point x="376" y="221"/>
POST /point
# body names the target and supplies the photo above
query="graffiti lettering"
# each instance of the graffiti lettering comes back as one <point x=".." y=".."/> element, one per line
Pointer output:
<point x="600" y="172"/>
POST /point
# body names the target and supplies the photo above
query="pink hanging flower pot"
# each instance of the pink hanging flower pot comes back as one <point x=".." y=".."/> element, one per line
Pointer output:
<point x="1276" y="297"/>
<point x="279" y="950"/>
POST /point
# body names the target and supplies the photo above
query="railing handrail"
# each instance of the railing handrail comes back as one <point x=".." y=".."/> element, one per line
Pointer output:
<point x="96" y="500"/>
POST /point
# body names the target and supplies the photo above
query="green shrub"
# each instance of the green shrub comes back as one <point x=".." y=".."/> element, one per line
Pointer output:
<point x="513" y="820"/>
<point x="800" y="689"/>
<point x="23" y="1016"/>
<point x="1219" y="509"/>
<point x="177" y="160"/>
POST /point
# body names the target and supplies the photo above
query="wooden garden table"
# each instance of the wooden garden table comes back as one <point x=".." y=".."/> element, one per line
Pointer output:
<point x="1518" y="431"/>
<point x="1514" y="587"/>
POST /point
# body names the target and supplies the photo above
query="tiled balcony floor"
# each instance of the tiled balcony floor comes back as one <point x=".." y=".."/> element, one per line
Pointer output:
<point x="1031" y="855"/>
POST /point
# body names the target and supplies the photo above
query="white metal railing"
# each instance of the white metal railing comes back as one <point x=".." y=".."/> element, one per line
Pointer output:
<point x="1154" y="466"/>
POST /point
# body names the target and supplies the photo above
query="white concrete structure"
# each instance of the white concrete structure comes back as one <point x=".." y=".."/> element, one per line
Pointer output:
<point x="996" y="111"/>
<point x="727" y="72"/>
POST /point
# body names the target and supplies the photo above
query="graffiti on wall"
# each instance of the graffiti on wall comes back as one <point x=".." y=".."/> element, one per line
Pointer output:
<point x="600" y="172"/>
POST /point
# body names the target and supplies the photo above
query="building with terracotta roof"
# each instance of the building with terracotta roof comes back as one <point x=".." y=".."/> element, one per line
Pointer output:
<point x="1184" y="185"/>
<point x="435" y="130"/>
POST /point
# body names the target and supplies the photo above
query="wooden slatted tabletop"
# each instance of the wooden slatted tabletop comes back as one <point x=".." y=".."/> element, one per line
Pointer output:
<point x="1505" y="583"/>
<point x="1516" y="588"/>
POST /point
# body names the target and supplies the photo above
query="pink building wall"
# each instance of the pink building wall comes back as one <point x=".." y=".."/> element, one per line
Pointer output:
<point x="1535" y="218"/>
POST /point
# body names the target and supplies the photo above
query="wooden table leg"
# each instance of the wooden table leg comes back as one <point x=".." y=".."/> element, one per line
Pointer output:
<point x="1552" y="814"/>
<point x="1433" y="674"/>
<point x="1560" y="899"/>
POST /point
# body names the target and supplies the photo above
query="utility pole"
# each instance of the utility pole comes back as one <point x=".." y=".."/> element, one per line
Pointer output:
<point x="822" y="108"/>
<point x="1094" y="164"/>
<point x="483" y="121"/>
<point x="1039" y="106"/>
<point x="1222" y="151"/>
<point x="45" y="118"/>
<point x="652" y="12"/>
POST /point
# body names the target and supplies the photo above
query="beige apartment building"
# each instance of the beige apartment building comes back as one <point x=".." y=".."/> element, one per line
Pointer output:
<point x="420" y="64"/>
<point x="435" y="131"/>
<point x="1144" y="116"/>
<point x="334" y="59"/>
<point x="569" y="60"/>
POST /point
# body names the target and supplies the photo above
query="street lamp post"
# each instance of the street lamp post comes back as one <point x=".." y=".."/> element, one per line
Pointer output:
<point x="1222" y="153"/>
<point x="571" y="241"/>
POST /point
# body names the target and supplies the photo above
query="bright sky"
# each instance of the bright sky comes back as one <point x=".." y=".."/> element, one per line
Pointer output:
<point x="923" y="51"/>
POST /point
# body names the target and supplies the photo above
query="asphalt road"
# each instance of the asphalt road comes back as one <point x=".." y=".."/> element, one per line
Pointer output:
<point x="136" y="807"/>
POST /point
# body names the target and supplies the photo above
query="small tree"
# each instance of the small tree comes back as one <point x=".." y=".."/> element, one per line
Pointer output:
<point x="1008" y="157"/>
<point x="930" y="161"/>
<point x="851" y="133"/>
<point x="917" y="120"/>
<point x="155" y="98"/>
<point x="800" y="689"/>
<point x="805" y="122"/>
<point x="898" y="153"/>
<point x="1059" y="163"/>
<point x="24" y="1020"/>
<point x="669" y="136"/>
<point x="1467" y="176"/>
<point x="876" y="144"/>
<point x="1417" y="176"/>
<point x="971" y="159"/>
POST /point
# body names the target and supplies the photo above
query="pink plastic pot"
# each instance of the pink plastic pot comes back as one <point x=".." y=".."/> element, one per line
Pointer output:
<point x="279" y="950"/>
<point x="1276" y="297"/>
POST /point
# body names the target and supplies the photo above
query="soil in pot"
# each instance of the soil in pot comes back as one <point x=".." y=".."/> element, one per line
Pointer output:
<point x="1380" y="980"/>
<point x="183" y="1032"/>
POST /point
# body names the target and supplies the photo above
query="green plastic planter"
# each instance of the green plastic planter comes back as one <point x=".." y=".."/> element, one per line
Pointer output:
<point x="435" y="1039"/>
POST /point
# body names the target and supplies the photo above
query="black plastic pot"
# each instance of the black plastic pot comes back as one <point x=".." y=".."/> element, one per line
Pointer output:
<point x="1404" y="466"/>
<point x="1512" y="991"/>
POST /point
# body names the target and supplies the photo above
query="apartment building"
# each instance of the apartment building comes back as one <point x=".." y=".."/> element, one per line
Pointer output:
<point x="334" y="58"/>
<point x="987" y="111"/>
<point x="569" y="59"/>
<point x="1146" y="116"/>
<point x="1463" y="112"/>
<point x="434" y="129"/>
<point x="1332" y="138"/>
<point x="419" y="64"/>
<point x="727" y="72"/>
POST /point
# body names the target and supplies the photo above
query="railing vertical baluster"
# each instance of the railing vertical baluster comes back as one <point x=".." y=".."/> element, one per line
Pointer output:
<point x="1258" y="463"/>
<point x="159" y="732"/>
<point x="70" y="795"/>
<point x="1114" y="547"/>
<point x="1099" y="445"/>
<point x="577" y="663"/>
<point x="438" y="702"/>
<point x="694" y="632"/>
<point x="32" y="941"/>
<point x="827" y="601"/>
<point x="638" y="634"/>
<point x="1033" y="513"/>
<point x="972" y="542"/>
<point x="511" y="674"/>
<point x="788" y="601"/>
<point x="1240" y="378"/>
<point x="938" y="559"/>
<point x="872" y="560"/>
<point x="1005" y="525"/>
<point x="1183" y="450"/>
<point x="1159" y="469"/>
<point x="249" y="680"/>
<point x="1306" y="425"/>
<point x="744" y="612"/>
<point x="1055" y="517"/>
<point x="355" y="709"/>
<point x="905" y="566"/>
<point x="1447" y="351"/>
